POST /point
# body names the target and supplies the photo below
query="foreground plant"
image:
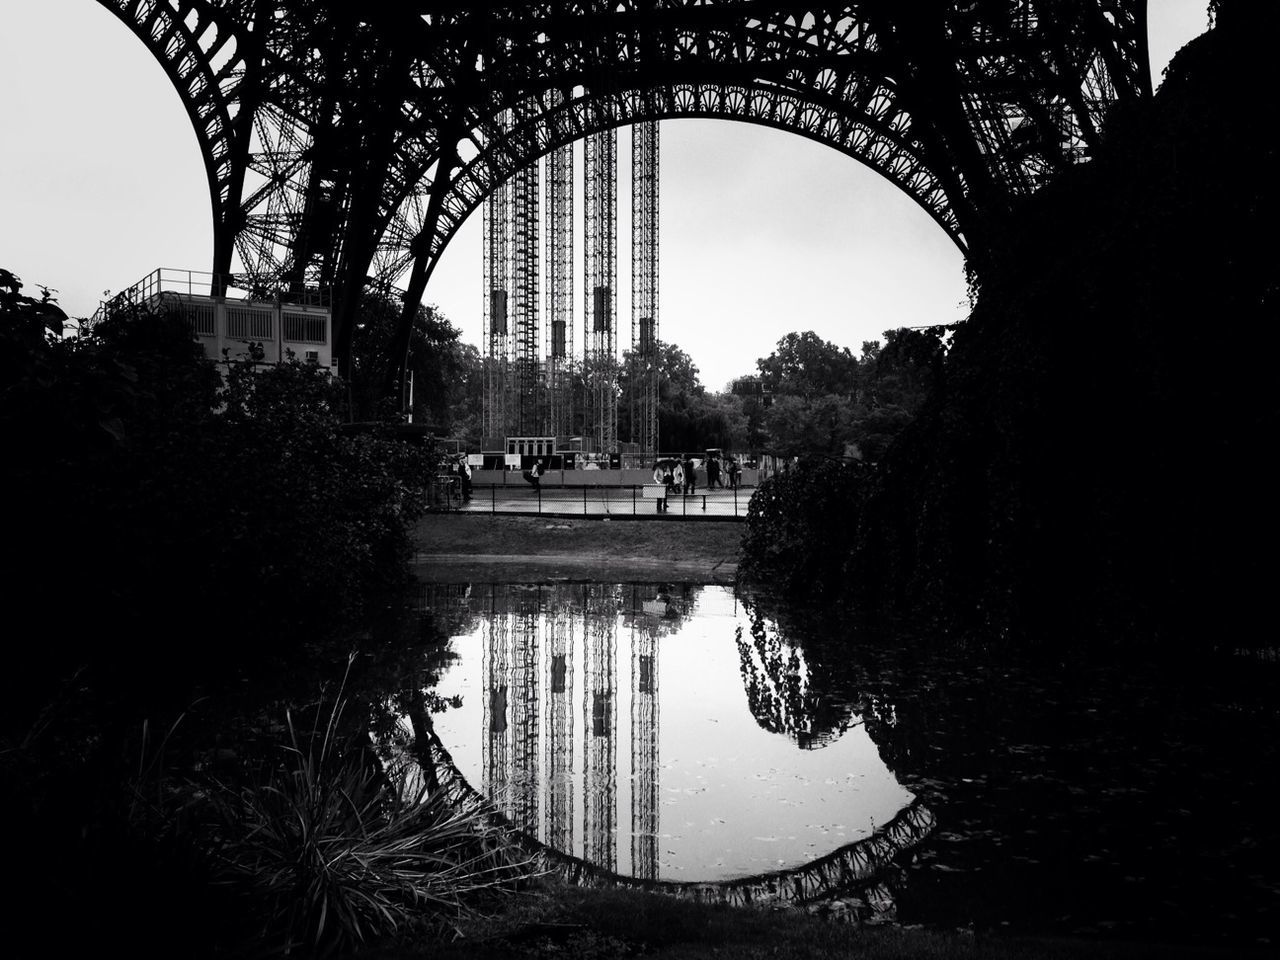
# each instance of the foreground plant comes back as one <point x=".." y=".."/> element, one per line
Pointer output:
<point x="335" y="850"/>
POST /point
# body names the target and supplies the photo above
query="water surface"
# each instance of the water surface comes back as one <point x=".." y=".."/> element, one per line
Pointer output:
<point x="648" y="730"/>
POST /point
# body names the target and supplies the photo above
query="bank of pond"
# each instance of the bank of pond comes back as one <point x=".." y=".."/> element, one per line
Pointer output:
<point x="703" y="743"/>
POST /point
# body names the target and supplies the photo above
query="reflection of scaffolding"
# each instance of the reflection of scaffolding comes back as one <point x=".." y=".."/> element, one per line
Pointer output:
<point x="528" y="747"/>
<point x="600" y="787"/>
<point x="601" y="256"/>
<point x="643" y="378"/>
<point x="644" y="744"/>
<point x="496" y="681"/>
<point x="558" y="832"/>
<point x="525" y="717"/>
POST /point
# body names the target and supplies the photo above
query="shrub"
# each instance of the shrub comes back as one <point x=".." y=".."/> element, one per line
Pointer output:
<point x="333" y="850"/>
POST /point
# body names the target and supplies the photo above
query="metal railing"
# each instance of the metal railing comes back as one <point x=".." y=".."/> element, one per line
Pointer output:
<point x="202" y="283"/>
<point x="589" y="501"/>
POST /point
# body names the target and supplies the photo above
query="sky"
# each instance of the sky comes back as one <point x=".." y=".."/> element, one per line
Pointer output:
<point x="762" y="232"/>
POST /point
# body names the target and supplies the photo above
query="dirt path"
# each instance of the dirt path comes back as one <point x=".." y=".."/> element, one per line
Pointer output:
<point x="456" y="548"/>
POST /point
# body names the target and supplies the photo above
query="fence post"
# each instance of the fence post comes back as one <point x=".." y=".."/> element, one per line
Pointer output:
<point x="584" y="499"/>
<point x="704" y="503"/>
<point x="633" y="501"/>
<point x="735" y="501"/>
<point x="539" y="499"/>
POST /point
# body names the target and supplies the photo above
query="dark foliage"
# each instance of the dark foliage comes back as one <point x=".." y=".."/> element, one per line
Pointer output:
<point x="1092" y="468"/>
<point x="187" y="545"/>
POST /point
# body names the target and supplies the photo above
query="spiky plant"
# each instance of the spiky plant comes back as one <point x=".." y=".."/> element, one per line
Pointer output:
<point x="336" y="851"/>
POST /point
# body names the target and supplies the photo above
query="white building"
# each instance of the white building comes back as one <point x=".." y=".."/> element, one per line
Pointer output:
<point x="229" y="326"/>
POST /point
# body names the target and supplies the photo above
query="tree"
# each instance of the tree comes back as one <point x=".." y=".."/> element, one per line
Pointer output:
<point x="445" y="371"/>
<point x="806" y="365"/>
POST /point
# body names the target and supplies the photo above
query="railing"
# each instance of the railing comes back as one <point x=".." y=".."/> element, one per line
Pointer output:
<point x="202" y="283"/>
<point x="589" y="501"/>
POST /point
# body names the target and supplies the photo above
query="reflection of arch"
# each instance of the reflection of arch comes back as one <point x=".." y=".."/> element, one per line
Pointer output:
<point x="856" y="865"/>
<point x="776" y="676"/>
<point x="343" y="136"/>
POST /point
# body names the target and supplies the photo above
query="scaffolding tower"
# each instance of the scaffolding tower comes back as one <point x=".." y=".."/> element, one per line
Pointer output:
<point x="644" y="374"/>
<point x="497" y="336"/>
<point x="525" y="413"/>
<point x="559" y="299"/>
<point x="600" y="197"/>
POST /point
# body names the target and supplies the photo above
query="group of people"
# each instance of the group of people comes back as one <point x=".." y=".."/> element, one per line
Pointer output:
<point x="718" y="472"/>
<point x="716" y="475"/>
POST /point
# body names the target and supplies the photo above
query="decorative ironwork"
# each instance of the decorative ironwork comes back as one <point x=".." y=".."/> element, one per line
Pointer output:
<point x="343" y="141"/>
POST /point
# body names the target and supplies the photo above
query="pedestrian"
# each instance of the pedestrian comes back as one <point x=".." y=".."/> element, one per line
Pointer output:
<point x="534" y="475"/>
<point x="690" y="482"/>
<point x="464" y="471"/>
<point x="713" y="473"/>
<point x="668" y="481"/>
<point x="734" y="472"/>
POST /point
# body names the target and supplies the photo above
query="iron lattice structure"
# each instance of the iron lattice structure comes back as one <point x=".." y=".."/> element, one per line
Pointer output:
<point x="344" y="141"/>
<point x="559" y="297"/>
<point x="600" y="345"/>
<point x="644" y="373"/>
<point x="497" y="291"/>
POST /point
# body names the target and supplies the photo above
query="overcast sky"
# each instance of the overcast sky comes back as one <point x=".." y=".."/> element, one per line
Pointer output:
<point x="762" y="232"/>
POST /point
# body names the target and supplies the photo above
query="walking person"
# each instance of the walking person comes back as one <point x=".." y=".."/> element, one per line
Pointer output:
<point x="534" y="475"/>
<point x="464" y="472"/>
<point x="690" y="481"/>
<point x="713" y="474"/>
<point x="734" y="472"/>
<point x="668" y="481"/>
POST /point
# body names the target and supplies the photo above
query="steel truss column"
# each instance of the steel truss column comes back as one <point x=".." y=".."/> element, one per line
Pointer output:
<point x="559" y="346"/>
<point x="600" y="364"/>
<point x="644" y="288"/>
<point x="526" y="414"/>
<point x="497" y="288"/>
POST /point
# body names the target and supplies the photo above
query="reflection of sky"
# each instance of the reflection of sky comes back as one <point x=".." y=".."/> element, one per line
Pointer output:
<point x="734" y="799"/>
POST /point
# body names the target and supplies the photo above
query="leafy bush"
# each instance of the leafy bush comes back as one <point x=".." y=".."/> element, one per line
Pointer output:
<point x="801" y="524"/>
<point x="214" y="522"/>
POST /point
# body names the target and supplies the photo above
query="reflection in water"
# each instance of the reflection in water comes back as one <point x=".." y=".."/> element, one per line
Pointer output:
<point x="531" y="641"/>
<point x="777" y="678"/>
<point x="1076" y="798"/>
<point x="577" y="751"/>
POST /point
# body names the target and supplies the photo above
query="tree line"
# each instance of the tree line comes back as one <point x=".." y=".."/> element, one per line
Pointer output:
<point x="808" y="396"/>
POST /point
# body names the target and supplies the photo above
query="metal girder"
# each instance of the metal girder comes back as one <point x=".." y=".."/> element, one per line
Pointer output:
<point x="644" y="373"/>
<point x="343" y="140"/>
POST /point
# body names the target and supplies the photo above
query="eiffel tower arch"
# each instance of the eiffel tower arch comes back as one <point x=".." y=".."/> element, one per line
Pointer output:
<point x="346" y="141"/>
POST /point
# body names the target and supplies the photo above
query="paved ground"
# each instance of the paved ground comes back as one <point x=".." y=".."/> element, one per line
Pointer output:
<point x="600" y="502"/>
